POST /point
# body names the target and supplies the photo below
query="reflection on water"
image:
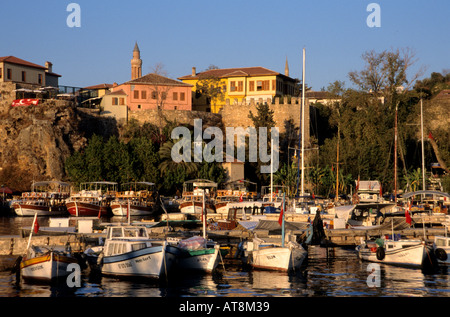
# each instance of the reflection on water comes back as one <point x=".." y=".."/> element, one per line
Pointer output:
<point x="335" y="272"/>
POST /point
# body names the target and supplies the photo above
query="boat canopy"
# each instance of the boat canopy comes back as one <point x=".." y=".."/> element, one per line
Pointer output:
<point x="426" y="192"/>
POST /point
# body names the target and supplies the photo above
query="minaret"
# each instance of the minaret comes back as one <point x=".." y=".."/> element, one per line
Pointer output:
<point x="136" y="63"/>
<point x="286" y="68"/>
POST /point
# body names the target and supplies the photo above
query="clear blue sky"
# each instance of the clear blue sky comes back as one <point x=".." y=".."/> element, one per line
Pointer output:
<point x="181" y="34"/>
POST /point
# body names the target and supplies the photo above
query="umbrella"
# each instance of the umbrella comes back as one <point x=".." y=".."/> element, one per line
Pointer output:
<point x="6" y="190"/>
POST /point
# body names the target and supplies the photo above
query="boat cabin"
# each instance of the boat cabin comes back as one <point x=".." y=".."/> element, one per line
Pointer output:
<point x="123" y="239"/>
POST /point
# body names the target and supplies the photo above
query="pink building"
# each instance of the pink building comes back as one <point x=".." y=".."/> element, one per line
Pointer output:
<point x="152" y="91"/>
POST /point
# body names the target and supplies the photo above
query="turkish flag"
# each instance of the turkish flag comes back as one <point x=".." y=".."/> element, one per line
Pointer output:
<point x="35" y="226"/>
<point x="25" y="102"/>
<point x="280" y="219"/>
<point x="408" y="217"/>
<point x="241" y="199"/>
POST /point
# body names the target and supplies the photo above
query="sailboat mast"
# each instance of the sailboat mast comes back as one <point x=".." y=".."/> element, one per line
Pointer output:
<point x="423" y="149"/>
<point x="303" y="123"/>
<point x="395" y="155"/>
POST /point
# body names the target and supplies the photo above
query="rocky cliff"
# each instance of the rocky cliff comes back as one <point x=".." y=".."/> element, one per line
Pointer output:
<point x="36" y="140"/>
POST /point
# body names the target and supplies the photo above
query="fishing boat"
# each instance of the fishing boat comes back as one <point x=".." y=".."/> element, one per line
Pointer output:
<point x="192" y="197"/>
<point x="441" y="248"/>
<point x="404" y="252"/>
<point x="273" y="254"/>
<point x="235" y="191"/>
<point x="46" y="263"/>
<point x="46" y="199"/>
<point x="93" y="199"/>
<point x="195" y="253"/>
<point x="129" y="252"/>
<point x="134" y="202"/>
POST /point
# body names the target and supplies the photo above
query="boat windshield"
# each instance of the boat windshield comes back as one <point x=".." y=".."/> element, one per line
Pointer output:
<point x="128" y="232"/>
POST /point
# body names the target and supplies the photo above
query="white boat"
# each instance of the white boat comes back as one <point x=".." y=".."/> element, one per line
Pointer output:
<point x="441" y="248"/>
<point x="46" y="199"/>
<point x="192" y="197"/>
<point x="134" y="202"/>
<point x="46" y="264"/>
<point x="399" y="252"/>
<point x="235" y="191"/>
<point x="129" y="252"/>
<point x="195" y="253"/>
<point x="272" y="256"/>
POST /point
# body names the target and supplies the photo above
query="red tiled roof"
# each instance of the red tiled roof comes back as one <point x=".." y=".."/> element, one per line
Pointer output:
<point x="234" y="72"/>
<point x="18" y="61"/>
<point x="155" y="79"/>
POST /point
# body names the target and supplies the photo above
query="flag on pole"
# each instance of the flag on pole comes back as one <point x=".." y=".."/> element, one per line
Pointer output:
<point x="35" y="225"/>
<point x="408" y="217"/>
<point x="280" y="219"/>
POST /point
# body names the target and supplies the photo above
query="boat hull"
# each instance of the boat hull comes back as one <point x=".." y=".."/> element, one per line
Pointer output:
<point x="29" y="210"/>
<point x="204" y="260"/>
<point x="47" y="267"/>
<point x="84" y="209"/>
<point x="278" y="258"/>
<point x="149" y="262"/>
<point x="121" y="209"/>
<point x="413" y="255"/>
<point x="196" y="208"/>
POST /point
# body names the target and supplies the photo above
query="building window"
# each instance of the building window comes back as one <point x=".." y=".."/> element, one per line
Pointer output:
<point x="163" y="95"/>
<point x="143" y="94"/>
<point x="154" y="94"/>
<point x="136" y="94"/>
<point x="252" y="86"/>
<point x="274" y="87"/>
<point x="24" y="76"/>
<point x="259" y="85"/>
<point x="182" y="96"/>
<point x="240" y="86"/>
<point x="175" y="96"/>
<point x="114" y="101"/>
<point x="8" y="73"/>
<point x="121" y="101"/>
<point x="232" y="86"/>
<point x="1" y="73"/>
<point x="40" y="78"/>
<point x="139" y="106"/>
<point x="175" y="108"/>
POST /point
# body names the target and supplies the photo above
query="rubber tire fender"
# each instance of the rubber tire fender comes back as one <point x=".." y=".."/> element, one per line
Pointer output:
<point x="380" y="253"/>
<point x="441" y="254"/>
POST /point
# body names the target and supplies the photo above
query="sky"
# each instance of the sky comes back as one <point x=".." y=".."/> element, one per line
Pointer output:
<point x="181" y="34"/>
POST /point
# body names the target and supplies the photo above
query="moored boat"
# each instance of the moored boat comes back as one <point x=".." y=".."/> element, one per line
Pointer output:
<point x="404" y="252"/>
<point x="441" y="248"/>
<point x="46" y="263"/>
<point x="129" y="252"/>
<point x="45" y="199"/>
<point x="92" y="200"/>
<point x="192" y="197"/>
<point x="134" y="202"/>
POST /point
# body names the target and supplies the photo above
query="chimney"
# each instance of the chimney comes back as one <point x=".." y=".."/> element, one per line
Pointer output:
<point x="49" y="65"/>
<point x="194" y="71"/>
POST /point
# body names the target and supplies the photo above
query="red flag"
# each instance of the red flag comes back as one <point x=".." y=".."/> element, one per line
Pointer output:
<point x="280" y="219"/>
<point x="408" y="217"/>
<point x="241" y="199"/>
<point x="381" y="191"/>
<point x="313" y="196"/>
<point x="430" y="136"/>
<point x="35" y="226"/>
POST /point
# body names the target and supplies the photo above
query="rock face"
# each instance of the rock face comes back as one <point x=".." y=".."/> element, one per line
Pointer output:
<point x="35" y="141"/>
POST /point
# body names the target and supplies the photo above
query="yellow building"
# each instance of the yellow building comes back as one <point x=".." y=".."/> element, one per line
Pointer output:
<point x="239" y="83"/>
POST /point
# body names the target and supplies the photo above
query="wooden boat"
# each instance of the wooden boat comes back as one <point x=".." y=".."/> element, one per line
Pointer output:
<point x="274" y="254"/>
<point x="235" y="191"/>
<point x="393" y="251"/>
<point x="129" y="252"/>
<point x="134" y="202"/>
<point x="192" y="199"/>
<point x="270" y="255"/>
<point x="46" y="264"/>
<point x="195" y="253"/>
<point x="441" y="248"/>
<point x="46" y="199"/>
<point x="92" y="200"/>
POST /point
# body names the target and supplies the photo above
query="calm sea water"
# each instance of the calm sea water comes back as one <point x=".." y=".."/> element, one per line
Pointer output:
<point x="336" y="272"/>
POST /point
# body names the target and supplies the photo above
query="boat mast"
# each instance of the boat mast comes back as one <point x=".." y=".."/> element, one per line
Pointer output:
<point x="423" y="150"/>
<point x="395" y="155"/>
<point x="303" y="122"/>
<point x="203" y="215"/>
<point x="271" y="168"/>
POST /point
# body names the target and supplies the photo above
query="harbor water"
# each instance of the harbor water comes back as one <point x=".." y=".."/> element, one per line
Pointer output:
<point x="332" y="272"/>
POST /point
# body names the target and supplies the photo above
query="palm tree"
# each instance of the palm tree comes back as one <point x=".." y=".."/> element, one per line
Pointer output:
<point x="169" y="165"/>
